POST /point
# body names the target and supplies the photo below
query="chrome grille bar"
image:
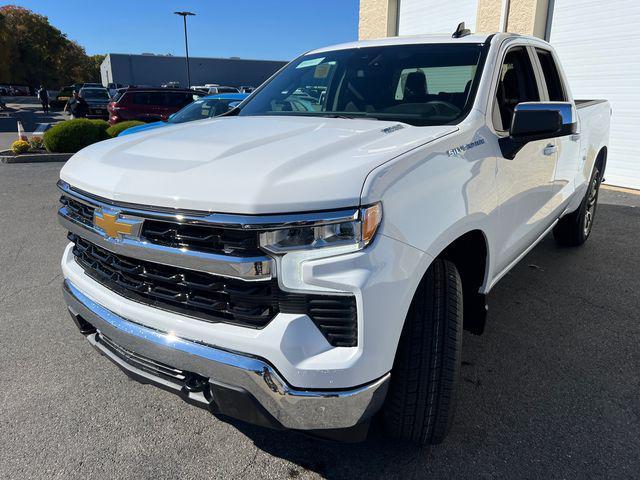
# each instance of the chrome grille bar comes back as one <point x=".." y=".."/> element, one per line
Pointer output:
<point x="243" y="268"/>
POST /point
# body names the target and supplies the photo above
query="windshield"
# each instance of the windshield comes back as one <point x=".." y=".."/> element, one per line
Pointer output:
<point x="415" y="84"/>
<point x="95" y="94"/>
<point x="204" y="108"/>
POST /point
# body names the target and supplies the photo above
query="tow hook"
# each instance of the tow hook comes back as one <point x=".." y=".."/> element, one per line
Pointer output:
<point x="195" y="383"/>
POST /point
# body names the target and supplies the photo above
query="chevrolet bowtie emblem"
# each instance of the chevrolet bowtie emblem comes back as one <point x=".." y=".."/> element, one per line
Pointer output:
<point x="114" y="226"/>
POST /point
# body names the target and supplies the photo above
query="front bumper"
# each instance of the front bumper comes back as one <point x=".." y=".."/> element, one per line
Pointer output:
<point x="231" y="377"/>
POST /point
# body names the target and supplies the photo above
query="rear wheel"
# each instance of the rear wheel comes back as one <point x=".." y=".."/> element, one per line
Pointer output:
<point x="421" y="400"/>
<point x="574" y="229"/>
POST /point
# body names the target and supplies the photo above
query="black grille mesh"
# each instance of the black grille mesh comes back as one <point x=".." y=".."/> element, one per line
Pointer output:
<point x="78" y="210"/>
<point x="214" y="298"/>
<point x="202" y="238"/>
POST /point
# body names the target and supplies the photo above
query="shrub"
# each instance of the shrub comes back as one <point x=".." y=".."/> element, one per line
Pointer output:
<point x="73" y="135"/>
<point x="20" y="146"/>
<point x="103" y="126"/>
<point x="116" y="129"/>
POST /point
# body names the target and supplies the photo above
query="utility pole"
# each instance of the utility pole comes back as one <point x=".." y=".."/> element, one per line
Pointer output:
<point x="184" y="16"/>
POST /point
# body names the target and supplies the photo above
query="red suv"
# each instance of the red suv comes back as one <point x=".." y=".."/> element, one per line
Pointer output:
<point x="148" y="104"/>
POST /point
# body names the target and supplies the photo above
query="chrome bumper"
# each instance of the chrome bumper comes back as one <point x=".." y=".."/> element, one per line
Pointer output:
<point x="290" y="407"/>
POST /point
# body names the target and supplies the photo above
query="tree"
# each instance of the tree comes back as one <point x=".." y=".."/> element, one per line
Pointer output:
<point x="32" y="51"/>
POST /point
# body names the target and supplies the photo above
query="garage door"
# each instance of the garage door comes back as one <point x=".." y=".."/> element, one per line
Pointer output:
<point x="430" y="16"/>
<point x="598" y="43"/>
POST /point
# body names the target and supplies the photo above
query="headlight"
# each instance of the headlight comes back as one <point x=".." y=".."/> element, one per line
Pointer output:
<point x="294" y="246"/>
<point x="357" y="233"/>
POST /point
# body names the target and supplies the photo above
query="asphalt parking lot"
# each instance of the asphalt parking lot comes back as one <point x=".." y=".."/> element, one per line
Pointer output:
<point x="551" y="390"/>
<point x="28" y="111"/>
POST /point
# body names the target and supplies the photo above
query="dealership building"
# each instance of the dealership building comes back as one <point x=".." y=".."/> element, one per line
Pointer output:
<point x="598" y="43"/>
<point x="150" y="69"/>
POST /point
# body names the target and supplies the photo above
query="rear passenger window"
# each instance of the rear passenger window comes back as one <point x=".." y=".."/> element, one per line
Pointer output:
<point x="516" y="84"/>
<point x="140" y="98"/>
<point x="157" y="98"/>
<point x="551" y="76"/>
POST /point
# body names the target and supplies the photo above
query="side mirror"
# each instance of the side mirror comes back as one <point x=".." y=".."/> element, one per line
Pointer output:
<point x="536" y="121"/>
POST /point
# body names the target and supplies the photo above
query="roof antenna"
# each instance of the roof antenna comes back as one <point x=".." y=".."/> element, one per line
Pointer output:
<point x="461" y="31"/>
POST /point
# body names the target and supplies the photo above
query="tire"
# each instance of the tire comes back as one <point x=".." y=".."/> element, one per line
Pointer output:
<point x="421" y="400"/>
<point x="573" y="230"/>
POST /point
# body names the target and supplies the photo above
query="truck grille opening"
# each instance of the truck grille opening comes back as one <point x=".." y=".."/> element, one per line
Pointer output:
<point x="202" y="238"/>
<point x="78" y="210"/>
<point x="213" y="298"/>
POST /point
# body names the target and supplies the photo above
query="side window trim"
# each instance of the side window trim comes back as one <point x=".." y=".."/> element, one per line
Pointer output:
<point x="537" y="71"/>
<point x="563" y="86"/>
<point x="492" y="99"/>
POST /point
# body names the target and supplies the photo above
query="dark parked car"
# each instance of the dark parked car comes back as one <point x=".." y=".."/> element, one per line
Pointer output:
<point x="63" y="96"/>
<point x="148" y="104"/>
<point x="19" y="90"/>
<point x="98" y="99"/>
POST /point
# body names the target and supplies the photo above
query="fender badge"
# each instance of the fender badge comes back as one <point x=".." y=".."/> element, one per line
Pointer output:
<point x="458" y="151"/>
<point x="392" y="129"/>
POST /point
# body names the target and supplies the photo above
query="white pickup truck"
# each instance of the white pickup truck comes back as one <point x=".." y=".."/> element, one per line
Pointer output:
<point x="309" y="260"/>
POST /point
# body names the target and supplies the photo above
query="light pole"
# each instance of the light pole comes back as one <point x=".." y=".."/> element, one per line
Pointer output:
<point x="184" y="16"/>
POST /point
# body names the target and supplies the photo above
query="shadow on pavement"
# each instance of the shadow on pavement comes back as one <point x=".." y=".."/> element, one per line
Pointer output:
<point x="27" y="110"/>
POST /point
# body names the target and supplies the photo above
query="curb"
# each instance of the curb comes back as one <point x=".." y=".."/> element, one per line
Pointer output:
<point x="615" y="188"/>
<point x="8" y="157"/>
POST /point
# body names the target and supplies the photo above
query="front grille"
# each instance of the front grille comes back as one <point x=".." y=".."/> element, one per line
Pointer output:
<point x="213" y="298"/>
<point x="201" y="238"/>
<point x="205" y="296"/>
<point x="78" y="210"/>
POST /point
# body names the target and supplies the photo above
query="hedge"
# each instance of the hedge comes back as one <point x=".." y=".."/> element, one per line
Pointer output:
<point x="73" y="135"/>
<point x="115" y="130"/>
<point x="103" y="126"/>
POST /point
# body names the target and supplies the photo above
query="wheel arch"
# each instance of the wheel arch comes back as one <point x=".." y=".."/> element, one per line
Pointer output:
<point x="601" y="159"/>
<point x="470" y="253"/>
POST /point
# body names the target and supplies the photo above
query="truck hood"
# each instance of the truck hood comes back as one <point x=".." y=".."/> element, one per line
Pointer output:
<point x="248" y="165"/>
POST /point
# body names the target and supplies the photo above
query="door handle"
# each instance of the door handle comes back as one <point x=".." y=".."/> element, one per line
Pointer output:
<point x="550" y="149"/>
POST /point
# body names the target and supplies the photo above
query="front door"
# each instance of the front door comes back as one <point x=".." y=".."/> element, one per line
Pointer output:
<point x="525" y="184"/>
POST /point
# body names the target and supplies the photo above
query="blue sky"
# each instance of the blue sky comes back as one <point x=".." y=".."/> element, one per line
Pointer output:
<point x="264" y="29"/>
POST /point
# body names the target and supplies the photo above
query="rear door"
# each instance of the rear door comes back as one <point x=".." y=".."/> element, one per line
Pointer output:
<point x="170" y="102"/>
<point x="140" y="106"/>
<point x="525" y="183"/>
<point x="568" y="147"/>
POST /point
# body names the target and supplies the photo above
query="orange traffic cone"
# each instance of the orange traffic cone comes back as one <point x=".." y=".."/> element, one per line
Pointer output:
<point x="21" y="134"/>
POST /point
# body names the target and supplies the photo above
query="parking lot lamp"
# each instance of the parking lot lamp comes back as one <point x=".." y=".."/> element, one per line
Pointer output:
<point x="184" y="16"/>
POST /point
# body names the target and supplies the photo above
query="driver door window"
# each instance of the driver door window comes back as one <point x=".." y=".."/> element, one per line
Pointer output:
<point x="516" y="84"/>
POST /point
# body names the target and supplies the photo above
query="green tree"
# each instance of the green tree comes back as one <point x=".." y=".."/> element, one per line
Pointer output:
<point x="32" y="51"/>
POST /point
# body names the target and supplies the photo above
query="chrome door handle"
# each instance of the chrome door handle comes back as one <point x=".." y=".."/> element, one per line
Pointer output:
<point x="550" y="150"/>
<point x="575" y="137"/>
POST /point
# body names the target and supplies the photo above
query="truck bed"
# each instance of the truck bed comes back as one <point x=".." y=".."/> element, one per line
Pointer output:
<point x="587" y="103"/>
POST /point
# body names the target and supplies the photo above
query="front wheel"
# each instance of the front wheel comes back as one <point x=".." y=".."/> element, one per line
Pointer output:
<point x="421" y="400"/>
<point x="574" y="229"/>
